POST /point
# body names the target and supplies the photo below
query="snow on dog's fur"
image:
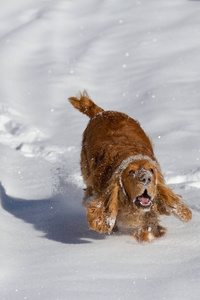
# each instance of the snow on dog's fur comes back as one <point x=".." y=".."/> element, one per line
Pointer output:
<point x="123" y="176"/>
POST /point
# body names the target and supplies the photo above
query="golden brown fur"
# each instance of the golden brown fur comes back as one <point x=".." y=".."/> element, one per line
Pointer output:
<point x="123" y="176"/>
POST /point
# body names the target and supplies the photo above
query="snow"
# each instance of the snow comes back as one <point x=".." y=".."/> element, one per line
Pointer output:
<point x="124" y="164"/>
<point x="138" y="57"/>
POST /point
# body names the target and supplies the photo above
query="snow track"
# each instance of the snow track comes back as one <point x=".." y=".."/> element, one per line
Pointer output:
<point x="192" y="179"/>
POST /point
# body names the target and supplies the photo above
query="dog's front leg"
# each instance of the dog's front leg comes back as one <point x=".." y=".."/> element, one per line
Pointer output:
<point x="150" y="229"/>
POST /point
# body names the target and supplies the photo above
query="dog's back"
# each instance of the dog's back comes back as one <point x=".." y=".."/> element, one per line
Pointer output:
<point x="109" y="138"/>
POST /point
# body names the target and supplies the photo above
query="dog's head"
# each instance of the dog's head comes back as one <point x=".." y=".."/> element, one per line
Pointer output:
<point x="139" y="180"/>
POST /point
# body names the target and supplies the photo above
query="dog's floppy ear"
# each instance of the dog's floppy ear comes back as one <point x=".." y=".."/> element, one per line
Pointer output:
<point x="168" y="202"/>
<point x="102" y="212"/>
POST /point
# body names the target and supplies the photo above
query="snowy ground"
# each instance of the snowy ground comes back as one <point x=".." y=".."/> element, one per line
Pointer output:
<point x="139" y="57"/>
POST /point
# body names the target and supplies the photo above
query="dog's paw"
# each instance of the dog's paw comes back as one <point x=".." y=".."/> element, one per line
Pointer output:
<point x="149" y="234"/>
<point x="144" y="236"/>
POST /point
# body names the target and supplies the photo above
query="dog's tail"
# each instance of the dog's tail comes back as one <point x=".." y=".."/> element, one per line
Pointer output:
<point x="85" y="105"/>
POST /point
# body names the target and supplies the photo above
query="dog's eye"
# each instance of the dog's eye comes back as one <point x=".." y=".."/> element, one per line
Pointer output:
<point x="131" y="172"/>
<point x="151" y="170"/>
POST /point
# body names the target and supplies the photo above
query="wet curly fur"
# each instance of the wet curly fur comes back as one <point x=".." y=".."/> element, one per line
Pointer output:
<point x="123" y="176"/>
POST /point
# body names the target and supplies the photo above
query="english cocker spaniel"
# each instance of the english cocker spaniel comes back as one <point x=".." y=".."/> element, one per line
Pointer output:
<point x="123" y="176"/>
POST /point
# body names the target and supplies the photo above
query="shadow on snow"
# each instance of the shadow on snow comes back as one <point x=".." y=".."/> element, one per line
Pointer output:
<point x="55" y="217"/>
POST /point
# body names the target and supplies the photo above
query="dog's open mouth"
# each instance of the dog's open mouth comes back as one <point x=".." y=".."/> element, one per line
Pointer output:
<point x="144" y="200"/>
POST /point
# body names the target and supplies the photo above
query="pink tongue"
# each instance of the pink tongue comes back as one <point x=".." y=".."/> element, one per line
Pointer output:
<point x="144" y="200"/>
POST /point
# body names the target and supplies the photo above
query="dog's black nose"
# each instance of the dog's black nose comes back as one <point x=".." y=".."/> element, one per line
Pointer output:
<point x="145" y="178"/>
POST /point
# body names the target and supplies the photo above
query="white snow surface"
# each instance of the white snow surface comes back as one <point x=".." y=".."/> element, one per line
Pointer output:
<point x="138" y="57"/>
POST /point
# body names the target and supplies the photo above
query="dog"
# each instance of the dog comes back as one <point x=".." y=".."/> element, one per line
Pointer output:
<point x="121" y="172"/>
